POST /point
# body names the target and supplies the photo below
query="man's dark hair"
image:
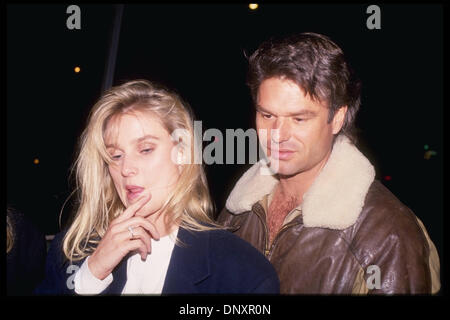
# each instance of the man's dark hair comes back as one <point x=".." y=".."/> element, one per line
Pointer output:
<point x="316" y="64"/>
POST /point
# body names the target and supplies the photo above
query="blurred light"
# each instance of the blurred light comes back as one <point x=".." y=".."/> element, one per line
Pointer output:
<point x="253" y="6"/>
<point x="387" y="178"/>
<point x="77" y="69"/>
<point x="36" y="161"/>
<point x="425" y="147"/>
<point x="428" y="154"/>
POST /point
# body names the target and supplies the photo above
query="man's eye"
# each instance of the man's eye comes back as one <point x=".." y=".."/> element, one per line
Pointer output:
<point x="299" y="119"/>
<point x="267" y="116"/>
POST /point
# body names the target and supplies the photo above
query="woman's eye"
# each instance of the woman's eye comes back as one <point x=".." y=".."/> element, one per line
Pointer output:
<point x="116" y="157"/>
<point x="148" y="150"/>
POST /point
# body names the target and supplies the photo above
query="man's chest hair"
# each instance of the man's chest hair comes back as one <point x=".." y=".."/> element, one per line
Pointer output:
<point x="278" y="210"/>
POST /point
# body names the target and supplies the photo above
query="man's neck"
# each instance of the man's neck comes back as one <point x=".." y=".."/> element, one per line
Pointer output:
<point x="297" y="185"/>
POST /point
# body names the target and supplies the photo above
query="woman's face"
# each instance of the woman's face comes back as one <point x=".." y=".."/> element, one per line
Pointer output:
<point x="141" y="149"/>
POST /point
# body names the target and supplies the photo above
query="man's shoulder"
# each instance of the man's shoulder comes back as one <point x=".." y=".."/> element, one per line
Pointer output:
<point x="385" y="222"/>
<point x="381" y="206"/>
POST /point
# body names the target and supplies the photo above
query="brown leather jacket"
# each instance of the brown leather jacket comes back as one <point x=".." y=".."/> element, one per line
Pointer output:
<point x="350" y="235"/>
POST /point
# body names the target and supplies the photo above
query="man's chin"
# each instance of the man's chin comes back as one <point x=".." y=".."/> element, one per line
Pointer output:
<point x="284" y="170"/>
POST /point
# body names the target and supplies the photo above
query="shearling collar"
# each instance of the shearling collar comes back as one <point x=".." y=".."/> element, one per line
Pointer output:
<point x="334" y="200"/>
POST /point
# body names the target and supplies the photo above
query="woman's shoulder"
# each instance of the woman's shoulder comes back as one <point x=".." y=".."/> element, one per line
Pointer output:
<point x="239" y="265"/>
<point x="59" y="238"/>
<point x="224" y="237"/>
<point x="227" y="245"/>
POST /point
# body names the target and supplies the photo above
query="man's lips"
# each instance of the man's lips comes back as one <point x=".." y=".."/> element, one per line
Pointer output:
<point x="133" y="191"/>
<point x="281" y="154"/>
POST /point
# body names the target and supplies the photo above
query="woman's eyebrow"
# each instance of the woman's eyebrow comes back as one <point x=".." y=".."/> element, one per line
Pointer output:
<point x="147" y="136"/>
<point x="137" y="140"/>
<point x="111" y="145"/>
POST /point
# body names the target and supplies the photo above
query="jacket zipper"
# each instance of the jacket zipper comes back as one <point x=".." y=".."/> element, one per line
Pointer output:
<point x="263" y="221"/>
<point x="267" y="250"/>
<point x="287" y="226"/>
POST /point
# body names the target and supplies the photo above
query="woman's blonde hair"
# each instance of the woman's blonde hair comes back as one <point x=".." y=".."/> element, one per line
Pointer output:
<point x="188" y="205"/>
<point x="9" y="232"/>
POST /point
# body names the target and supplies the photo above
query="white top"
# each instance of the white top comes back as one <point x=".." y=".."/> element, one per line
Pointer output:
<point x="143" y="277"/>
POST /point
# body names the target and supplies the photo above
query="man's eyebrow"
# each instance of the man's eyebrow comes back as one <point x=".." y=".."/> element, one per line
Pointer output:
<point x="291" y="114"/>
<point x="138" y="140"/>
<point x="259" y="108"/>
<point x="303" y="113"/>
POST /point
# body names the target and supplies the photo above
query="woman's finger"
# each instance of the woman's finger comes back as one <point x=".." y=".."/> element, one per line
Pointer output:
<point x="131" y="210"/>
<point x="137" y="245"/>
<point x="142" y="222"/>
<point x="138" y="233"/>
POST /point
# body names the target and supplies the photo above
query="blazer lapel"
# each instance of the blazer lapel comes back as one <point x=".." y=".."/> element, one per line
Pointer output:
<point x="189" y="264"/>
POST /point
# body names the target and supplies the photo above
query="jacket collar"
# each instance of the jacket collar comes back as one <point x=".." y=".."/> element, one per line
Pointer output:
<point x="189" y="264"/>
<point x="334" y="200"/>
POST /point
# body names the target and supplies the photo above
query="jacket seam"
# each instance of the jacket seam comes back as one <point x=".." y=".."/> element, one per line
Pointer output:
<point x="349" y="247"/>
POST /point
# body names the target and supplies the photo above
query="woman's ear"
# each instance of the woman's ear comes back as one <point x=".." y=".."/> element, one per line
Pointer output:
<point x="180" y="161"/>
<point x="180" y="157"/>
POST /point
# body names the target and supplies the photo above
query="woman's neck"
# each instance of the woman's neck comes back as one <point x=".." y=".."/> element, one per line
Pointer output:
<point x="161" y="225"/>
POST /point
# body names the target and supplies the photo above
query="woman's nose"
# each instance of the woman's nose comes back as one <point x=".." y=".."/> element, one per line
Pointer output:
<point x="128" y="168"/>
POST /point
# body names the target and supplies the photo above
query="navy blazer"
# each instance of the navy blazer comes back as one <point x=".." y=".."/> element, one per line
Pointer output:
<point x="215" y="261"/>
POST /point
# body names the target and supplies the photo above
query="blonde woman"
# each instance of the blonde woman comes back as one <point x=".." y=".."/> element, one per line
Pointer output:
<point x="143" y="222"/>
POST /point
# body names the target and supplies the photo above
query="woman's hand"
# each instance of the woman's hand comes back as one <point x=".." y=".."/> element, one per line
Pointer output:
<point x="118" y="240"/>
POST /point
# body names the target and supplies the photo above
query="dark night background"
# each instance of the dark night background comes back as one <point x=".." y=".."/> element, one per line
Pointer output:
<point x="198" y="49"/>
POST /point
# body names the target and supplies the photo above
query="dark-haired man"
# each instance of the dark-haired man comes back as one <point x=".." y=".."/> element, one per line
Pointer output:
<point x="322" y="219"/>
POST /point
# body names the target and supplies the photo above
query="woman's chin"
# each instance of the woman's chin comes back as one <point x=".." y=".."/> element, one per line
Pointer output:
<point x="147" y="214"/>
<point x="144" y="214"/>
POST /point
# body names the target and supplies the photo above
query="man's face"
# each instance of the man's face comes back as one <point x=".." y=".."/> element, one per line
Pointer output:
<point x="303" y="137"/>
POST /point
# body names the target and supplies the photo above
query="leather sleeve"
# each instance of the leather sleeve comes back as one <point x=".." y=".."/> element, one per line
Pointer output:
<point x="397" y="255"/>
<point x="224" y="218"/>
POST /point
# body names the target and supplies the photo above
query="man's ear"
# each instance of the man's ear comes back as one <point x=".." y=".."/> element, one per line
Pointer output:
<point x="338" y="119"/>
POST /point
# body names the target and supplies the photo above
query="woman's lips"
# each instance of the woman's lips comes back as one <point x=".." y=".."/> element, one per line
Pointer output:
<point x="133" y="192"/>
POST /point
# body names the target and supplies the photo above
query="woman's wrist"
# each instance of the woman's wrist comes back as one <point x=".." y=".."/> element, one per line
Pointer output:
<point x="96" y="270"/>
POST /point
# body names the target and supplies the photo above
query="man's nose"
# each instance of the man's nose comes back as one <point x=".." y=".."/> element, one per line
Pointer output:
<point x="280" y="131"/>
